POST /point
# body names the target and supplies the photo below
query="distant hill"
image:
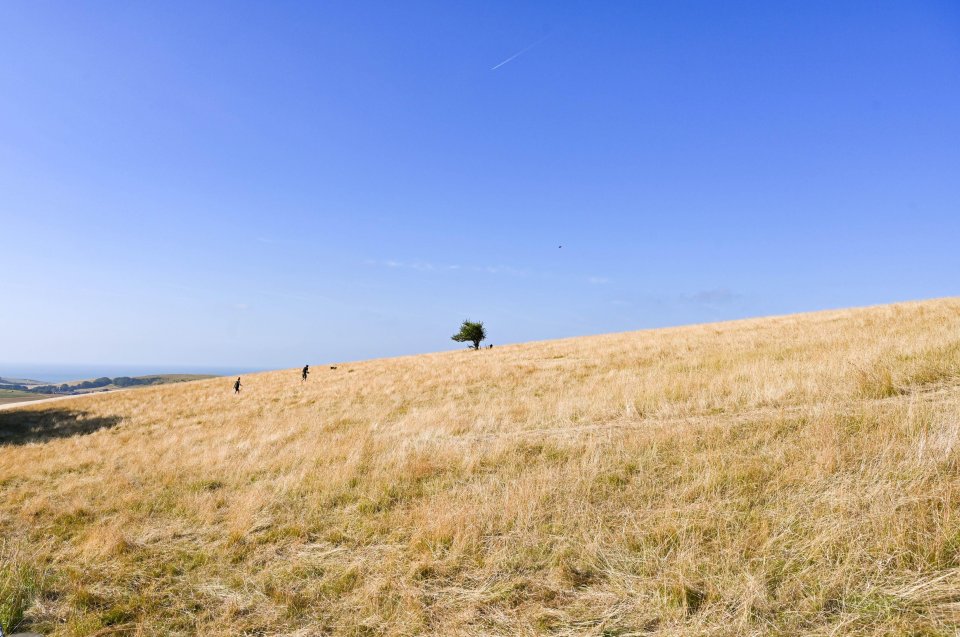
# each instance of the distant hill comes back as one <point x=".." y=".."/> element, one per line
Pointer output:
<point x="20" y="381"/>
<point x="16" y="390"/>
<point x="794" y="475"/>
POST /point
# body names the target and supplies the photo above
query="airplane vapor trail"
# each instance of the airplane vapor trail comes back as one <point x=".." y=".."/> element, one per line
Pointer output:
<point x="519" y="53"/>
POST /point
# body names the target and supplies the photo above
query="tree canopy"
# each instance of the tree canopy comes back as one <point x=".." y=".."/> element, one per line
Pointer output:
<point x="470" y="332"/>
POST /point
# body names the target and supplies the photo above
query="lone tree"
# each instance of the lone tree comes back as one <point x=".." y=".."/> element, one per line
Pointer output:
<point x="470" y="332"/>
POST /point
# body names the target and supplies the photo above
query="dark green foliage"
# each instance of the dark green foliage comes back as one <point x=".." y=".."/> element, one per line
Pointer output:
<point x="67" y="388"/>
<point x="470" y="332"/>
<point x="91" y="384"/>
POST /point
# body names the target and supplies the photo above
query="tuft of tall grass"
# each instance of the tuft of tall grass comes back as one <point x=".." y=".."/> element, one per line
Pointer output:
<point x="21" y="582"/>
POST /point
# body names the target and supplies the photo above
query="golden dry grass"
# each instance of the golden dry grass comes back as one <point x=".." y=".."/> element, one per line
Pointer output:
<point x="782" y="476"/>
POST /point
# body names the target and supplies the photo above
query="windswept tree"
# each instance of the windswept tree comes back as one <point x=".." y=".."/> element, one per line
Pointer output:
<point x="470" y="332"/>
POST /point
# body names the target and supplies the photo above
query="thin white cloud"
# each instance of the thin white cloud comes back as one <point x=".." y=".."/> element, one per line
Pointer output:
<point x="500" y="269"/>
<point x="519" y="53"/>
<point x="426" y="266"/>
<point x="717" y="296"/>
<point x="420" y="266"/>
<point x="205" y="294"/>
<point x="712" y="299"/>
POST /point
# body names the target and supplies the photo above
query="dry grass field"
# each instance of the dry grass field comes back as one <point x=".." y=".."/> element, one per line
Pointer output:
<point x="796" y="475"/>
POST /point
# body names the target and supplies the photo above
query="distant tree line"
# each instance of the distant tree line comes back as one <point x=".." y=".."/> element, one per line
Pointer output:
<point x="103" y="381"/>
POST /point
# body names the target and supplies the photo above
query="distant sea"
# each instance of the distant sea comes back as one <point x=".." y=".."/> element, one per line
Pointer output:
<point x="64" y="373"/>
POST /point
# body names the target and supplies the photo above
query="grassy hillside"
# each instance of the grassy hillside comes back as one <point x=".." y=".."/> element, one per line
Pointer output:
<point x="792" y="475"/>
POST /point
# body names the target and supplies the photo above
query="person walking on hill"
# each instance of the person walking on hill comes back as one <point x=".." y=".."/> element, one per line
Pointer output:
<point x="236" y="386"/>
<point x="304" y="372"/>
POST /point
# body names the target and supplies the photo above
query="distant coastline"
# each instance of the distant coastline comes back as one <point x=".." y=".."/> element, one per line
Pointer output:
<point x="18" y="390"/>
<point x="52" y="373"/>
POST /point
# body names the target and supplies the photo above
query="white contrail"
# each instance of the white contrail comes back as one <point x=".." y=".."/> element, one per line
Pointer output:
<point x="519" y="53"/>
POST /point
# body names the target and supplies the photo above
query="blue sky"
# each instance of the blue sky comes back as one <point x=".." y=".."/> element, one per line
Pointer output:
<point x="268" y="184"/>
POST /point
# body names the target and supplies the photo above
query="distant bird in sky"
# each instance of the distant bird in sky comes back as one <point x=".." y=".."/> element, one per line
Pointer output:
<point x="520" y="52"/>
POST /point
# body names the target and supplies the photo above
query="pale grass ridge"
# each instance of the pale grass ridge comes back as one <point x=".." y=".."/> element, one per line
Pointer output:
<point x="782" y="476"/>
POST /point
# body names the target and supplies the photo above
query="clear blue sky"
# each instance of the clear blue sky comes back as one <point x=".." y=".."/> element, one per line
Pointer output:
<point x="267" y="184"/>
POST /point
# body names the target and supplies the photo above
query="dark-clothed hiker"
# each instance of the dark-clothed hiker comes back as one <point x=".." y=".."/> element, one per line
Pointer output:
<point x="306" y="370"/>
<point x="236" y="386"/>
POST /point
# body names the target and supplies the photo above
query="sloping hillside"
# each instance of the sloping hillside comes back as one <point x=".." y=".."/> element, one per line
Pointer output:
<point x="791" y="475"/>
